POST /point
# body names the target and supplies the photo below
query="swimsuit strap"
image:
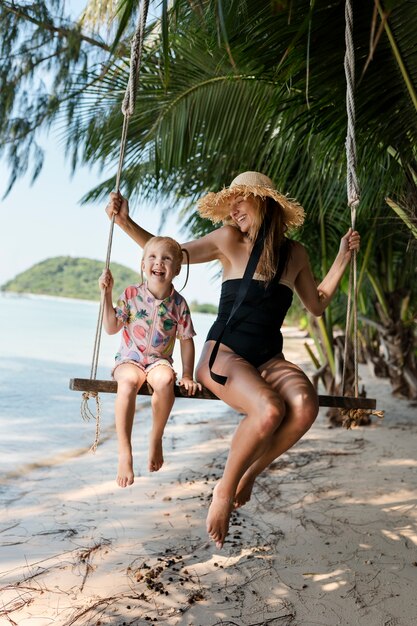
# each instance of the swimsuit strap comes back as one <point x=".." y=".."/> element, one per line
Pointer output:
<point x="240" y="296"/>
<point x="282" y="261"/>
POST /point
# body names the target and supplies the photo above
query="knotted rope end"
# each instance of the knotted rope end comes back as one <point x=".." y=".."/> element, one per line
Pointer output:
<point x="87" y="414"/>
<point x="354" y="201"/>
<point x="358" y="417"/>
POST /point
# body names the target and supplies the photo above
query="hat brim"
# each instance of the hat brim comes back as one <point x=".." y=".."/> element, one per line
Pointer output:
<point x="216" y="206"/>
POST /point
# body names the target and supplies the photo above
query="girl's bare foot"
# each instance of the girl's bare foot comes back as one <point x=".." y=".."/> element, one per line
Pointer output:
<point x="125" y="475"/>
<point x="218" y="517"/>
<point x="243" y="492"/>
<point x="156" y="457"/>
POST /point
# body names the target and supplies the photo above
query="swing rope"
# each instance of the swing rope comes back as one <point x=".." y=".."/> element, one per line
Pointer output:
<point x="352" y="417"/>
<point x="128" y="107"/>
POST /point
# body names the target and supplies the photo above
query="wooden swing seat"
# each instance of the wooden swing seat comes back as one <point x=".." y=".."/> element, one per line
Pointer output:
<point x="110" y="386"/>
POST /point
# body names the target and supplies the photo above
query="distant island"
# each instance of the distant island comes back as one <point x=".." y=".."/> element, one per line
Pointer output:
<point x="77" y="277"/>
<point x="196" y="307"/>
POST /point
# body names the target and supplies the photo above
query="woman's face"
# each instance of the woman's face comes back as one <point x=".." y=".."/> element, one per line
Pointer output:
<point x="243" y="212"/>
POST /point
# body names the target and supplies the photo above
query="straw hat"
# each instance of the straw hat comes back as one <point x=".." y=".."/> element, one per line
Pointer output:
<point x="216" y="206"/>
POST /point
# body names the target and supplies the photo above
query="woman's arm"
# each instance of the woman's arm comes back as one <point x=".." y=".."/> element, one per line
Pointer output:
<point x="211" y="247"/>
<point x="119" y="206"/>
<point x="317" y="298"/>
<point x="111" y="323"/>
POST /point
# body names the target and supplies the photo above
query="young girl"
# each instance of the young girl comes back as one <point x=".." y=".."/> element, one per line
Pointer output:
<point x="152" y="314"/>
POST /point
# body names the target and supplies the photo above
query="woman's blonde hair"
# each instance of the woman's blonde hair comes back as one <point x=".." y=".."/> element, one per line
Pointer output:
<point x="171" y="244"/>
<point x="269" y="211"/>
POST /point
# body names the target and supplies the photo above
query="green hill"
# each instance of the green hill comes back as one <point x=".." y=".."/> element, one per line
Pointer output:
<point x="69" y="277"/>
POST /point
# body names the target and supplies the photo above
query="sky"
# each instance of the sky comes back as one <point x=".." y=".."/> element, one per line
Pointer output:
<point x="46" y="219"/>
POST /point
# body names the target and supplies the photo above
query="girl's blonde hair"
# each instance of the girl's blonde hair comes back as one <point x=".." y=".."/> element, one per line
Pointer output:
<point x="171" y="244"/>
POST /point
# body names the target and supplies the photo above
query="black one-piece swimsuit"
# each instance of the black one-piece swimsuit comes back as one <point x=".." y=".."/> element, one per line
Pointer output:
<point x="255" y="332"/>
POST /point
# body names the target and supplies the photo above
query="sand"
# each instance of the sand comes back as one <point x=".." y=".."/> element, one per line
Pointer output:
<point x="329" y="537"/>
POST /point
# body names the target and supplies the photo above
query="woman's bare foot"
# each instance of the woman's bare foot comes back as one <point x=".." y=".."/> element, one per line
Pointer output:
<point x="218" y="516"/>
<point x="125" y="475"/>
<point x="243" y="492"/>
<point x="156" y="456"/>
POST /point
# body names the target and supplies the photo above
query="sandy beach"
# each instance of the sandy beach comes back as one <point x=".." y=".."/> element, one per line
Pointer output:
<point x="328" y="538"/>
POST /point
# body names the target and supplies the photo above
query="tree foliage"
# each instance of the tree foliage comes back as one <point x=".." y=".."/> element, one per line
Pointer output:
<point x="225" y="86"/>
<point x="45" y="64"/>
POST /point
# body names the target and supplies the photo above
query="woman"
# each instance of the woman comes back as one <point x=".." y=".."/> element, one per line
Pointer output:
<point x="249" y="372"/>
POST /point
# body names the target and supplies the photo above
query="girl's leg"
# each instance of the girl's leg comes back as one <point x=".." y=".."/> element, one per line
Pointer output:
<point x="249" y="393"/>
<point x="129" y="380"/>
<point x="162" y="379"/>
<point x="300" y="398"/>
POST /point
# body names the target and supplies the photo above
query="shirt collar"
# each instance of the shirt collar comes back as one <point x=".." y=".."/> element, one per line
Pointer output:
<point x="150" y="294"/>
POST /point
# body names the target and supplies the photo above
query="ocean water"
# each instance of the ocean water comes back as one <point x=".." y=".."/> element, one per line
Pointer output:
<point x="43" y="343"/>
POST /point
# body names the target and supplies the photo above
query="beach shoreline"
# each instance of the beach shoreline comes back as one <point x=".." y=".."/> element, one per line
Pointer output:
<point x="42" y="296"/>
<point x="329" y="536"/>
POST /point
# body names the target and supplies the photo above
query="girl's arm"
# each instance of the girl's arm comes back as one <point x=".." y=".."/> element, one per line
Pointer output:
<point x="317" y="298"/>
<point x="111" y="323"/>
<point x="187" y="358"/>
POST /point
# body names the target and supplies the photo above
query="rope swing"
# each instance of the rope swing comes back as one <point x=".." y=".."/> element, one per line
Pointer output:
<point x="354" y="409"/>
<point x="128" y="107"/>
<point x="352" y="416"/>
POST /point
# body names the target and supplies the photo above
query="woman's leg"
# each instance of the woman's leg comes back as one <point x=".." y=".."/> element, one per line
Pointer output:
<point x="162" y="379"/>
<point x="129" y="380"/>
<point x="301" y="402"/>
<point x="249" y="393"/>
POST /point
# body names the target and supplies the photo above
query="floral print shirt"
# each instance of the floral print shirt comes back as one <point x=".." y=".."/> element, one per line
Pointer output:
<point x="150" y="326"/>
